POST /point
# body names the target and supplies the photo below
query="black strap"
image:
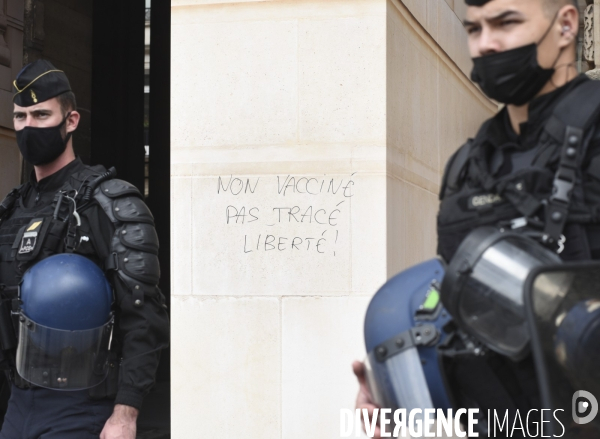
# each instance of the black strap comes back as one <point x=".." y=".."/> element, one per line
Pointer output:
<point x="71" y="238"/>
<point x="564" y="181"/>
<point x="570" y="120"/>
<point x="455" y="168"/>
<point x="111" y="262"/>
<point x="10" y="200"/>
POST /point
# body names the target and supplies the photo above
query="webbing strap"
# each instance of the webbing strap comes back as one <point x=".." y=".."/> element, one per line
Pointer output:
<point x="570" y="119"/>
<point x="455" y="167"/>
<point x="10" y="200"/>
<point x="578" y="109"/>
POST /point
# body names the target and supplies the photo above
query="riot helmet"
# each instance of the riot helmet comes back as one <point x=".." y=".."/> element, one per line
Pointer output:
<point x="517" y="297"/>
<point x="65" y="323"/>
<point x="403" y="327"/>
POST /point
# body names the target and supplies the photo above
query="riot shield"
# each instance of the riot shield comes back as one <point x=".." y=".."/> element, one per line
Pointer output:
<point x="562" y="305"/>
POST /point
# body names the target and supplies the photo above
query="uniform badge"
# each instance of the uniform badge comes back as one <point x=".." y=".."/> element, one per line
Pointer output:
<point x="30" y="238"/>
<point x="33" y="96"/>
<point x="483" y="200"/>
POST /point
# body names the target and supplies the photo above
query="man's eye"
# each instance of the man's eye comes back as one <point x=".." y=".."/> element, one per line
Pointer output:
<point x="473" y="29"/>
<point x="508" y="22"/>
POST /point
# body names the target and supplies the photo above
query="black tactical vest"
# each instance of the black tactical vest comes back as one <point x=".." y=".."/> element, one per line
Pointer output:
<point x="13" y="226"/>
<point x="544" y="198"/>
<point x="28" y="235"/>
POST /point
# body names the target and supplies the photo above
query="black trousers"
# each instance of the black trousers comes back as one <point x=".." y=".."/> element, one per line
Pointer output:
<point x="53" y="414"/>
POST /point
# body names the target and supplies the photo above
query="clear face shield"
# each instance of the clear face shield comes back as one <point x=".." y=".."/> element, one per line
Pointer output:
<point x="63" y="360"/>
<point x="483" y="287"/>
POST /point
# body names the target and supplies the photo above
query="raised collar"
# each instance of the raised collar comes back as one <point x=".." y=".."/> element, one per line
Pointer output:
<point x="500" y="134"/>
<point x="55" y="181"/>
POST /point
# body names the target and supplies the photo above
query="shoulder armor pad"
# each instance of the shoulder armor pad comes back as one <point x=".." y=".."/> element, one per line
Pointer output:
<point x="141" y="266"/>
<point x="139" y="236"/>
<point x="132" y="209"/>
<point x="134" y="258"/>
<point x="116" y="188"/>
<point x="134" y="246"/>
<point x="122" y="202"/>
<point x="138" y="268"/>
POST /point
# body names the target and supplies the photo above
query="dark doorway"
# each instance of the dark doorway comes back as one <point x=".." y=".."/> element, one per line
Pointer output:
<point x="130" y="129"/>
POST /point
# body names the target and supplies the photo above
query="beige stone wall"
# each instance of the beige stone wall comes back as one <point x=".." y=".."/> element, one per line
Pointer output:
<point x="432" y="108"/>
<point x="360" y="106"/>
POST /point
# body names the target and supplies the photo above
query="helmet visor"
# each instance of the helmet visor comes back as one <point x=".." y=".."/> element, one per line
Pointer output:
<point x="491" y="303"/>
<point x="62" y="360"/>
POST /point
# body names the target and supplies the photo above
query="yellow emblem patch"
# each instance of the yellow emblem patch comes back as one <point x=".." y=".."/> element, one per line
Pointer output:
<point x="33" y="96"/>
<point x="34" y="226"/>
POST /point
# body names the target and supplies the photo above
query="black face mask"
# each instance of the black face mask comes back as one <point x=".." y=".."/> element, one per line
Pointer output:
<point x="40" y="146"/>
<point x="513" y="76"/>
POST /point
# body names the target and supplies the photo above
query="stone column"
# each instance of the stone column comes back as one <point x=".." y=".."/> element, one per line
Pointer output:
<point x="591" y="37"/>
<point x="308" y="142"/>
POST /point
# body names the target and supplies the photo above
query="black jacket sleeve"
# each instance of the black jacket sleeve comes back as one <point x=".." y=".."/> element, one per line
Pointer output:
<point x="142" y="324"/>
<point x="143" y="331"/>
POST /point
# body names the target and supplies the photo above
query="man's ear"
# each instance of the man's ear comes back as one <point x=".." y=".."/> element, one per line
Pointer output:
<point x="73" y="121"/>
<point x="568" y="20"/>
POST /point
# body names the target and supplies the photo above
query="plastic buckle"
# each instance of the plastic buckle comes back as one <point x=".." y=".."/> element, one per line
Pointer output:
<point x="562" y="190"/>
<point x="71" y="241"/>
<point x="518" y="223"/>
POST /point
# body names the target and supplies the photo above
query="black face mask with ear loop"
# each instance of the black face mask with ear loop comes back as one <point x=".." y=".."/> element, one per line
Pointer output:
<point x="40" y="146"/>
<point x="513" y="76"/>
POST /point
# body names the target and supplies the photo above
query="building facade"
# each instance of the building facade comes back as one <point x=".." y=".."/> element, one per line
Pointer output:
<point x="308" y="142"/>
<point x="11" y="61"/>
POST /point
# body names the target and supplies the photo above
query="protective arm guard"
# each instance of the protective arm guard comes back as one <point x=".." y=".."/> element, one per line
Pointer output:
<point x="142" y="321"/>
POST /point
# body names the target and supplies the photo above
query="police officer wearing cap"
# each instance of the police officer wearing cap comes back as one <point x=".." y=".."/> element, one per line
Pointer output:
<point x="534" y="167"/>
<point x="70" y="208"/>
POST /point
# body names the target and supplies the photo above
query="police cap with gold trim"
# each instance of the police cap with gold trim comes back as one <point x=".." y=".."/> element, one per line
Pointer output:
<point x="37" y="82"/>
<point x="476" y="2"/>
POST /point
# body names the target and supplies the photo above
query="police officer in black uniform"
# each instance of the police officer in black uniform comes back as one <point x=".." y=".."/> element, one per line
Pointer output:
<point x="68" y="207"/>
<point x="533" y="167"/>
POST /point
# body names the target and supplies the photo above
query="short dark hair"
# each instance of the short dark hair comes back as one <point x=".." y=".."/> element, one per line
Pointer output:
<point x="552" y="6"/>
<point x="67" y="102"/>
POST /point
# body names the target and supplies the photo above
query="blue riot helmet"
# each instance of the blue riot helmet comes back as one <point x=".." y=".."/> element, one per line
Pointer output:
<point x="403" y="328"/>
<point x="65" y="323"/>
<point x="518" y="298"/>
